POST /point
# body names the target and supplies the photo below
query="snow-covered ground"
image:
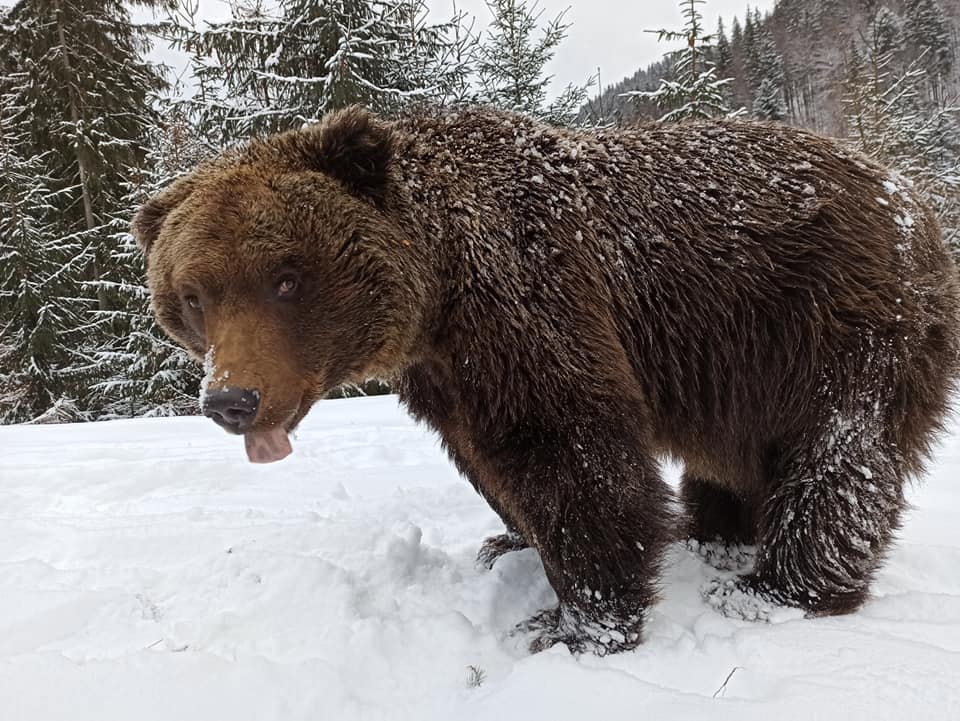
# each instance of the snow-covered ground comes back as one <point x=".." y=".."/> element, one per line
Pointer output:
<point x="148" y="571"/>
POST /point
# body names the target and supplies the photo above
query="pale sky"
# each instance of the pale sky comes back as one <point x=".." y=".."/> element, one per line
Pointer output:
<point x="605" y="33"/>
<point x="609" y="34"/>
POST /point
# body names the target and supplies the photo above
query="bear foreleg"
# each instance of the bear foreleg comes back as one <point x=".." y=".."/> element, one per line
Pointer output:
<point x="590" y="499"/>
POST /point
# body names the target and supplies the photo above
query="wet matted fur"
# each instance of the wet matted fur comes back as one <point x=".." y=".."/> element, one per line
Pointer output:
<point x="564" y="307"/>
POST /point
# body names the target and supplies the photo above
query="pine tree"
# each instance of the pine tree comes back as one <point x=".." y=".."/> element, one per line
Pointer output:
<point x="765" y="67"/>
<point x="425" y="62"/>
<point x="89" y="84"/>
<point x="889" y="121"/>
<point x="453" y="63"/>
<point x="512" y="61"/>
<point x="204" y="110"/>
<point x="83" y="98"/>
<point x="736" y="33"/>
<point x="926" y="28"/>
<point x="277" y="67"/>
<point x="768" y="103"/>
<point x="722" y="53"/>
<point x="232" y="62"/>
<point x="749" y="30"/>
<point x="38" y="315"/>
<point x="143" y="372"/>
<point x="887" y="28"/>
<point x="694" y="91"/>
<point x="330" y="55"/>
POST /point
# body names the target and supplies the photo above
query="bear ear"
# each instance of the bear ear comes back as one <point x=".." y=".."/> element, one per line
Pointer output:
<point x="356" y="148"/>
<point x="146" y="224"/>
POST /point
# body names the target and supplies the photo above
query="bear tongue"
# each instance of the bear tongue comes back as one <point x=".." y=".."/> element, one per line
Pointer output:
<point x="267" y="446"/>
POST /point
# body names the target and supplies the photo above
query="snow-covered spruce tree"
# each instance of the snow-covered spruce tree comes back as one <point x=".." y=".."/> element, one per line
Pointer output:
<point x="887" y="30"/>
<point x="330" y="56"/>
<point x="768" y="103"/>
<point x="144" y="373"/>
<point x="455" y="61"/>
<point x="82" y="97"/>
<point x="203" y="110"/>
<point x="430" y="62"/>
<point x="765" y="67"/>
<point x="927" y="31"/>
<point x="38" y="313"/>
<point x="693" y="90"/>
<point x="722" y="52"/>
<point x="229" y="60"/>
<point x="280" y="66"/>
<point x="888" y="120"/>
<point x="736" y="33"/>
<point x="512" y="59"/>
<point x="390" y="56"/>
<point x="750" y="22"/>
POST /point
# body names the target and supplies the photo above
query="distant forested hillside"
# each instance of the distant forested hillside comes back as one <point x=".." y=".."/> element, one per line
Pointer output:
<point x="803" y="56"/>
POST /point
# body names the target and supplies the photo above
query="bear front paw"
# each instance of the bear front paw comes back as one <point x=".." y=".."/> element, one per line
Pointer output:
<point x="580" y="633"/>
<point x="492" y="548"/>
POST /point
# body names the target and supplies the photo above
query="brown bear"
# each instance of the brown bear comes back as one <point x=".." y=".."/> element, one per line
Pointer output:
<point x="564" y="307"/>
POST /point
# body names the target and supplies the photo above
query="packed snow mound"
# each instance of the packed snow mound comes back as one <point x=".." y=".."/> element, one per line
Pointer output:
<point x="148" y="571"/>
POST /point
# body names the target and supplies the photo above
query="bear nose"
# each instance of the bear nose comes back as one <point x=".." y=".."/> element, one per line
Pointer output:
<point x="232" y="408"/>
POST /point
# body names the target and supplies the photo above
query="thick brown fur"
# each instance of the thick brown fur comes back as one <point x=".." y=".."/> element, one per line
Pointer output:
<point x="565" y="307"/>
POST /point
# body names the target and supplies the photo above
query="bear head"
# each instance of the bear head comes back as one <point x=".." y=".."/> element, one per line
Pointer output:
<point x="282" y="265"/>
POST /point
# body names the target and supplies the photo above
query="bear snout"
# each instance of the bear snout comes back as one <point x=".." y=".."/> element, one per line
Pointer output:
<point x="234" y="409"/>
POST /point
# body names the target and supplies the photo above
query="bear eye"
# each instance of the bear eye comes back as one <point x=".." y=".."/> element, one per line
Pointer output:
<point x="193" y="302"/>
<point x="287" y="286"/>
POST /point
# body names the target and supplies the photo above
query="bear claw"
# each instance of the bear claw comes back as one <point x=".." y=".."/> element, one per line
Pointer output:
<point x="723" y="556"/>
<point x="495" y="546"/>
<point x="745" y="598"/>
<point x="580" y="635"/>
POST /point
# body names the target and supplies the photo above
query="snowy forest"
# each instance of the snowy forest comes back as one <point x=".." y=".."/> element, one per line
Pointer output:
<point x="90" y="127"/>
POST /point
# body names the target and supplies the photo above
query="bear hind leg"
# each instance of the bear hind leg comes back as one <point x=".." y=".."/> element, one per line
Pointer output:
<point x="827" y="523"/>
